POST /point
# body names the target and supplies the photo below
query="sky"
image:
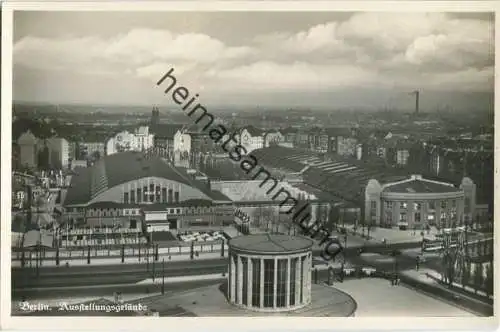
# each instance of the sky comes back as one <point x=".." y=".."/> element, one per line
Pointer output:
<point x="257" y="59"/>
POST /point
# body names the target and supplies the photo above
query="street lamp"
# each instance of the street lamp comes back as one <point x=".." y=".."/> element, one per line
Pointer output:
<point x="147" y="257"/>
<point x="163" y="277"/>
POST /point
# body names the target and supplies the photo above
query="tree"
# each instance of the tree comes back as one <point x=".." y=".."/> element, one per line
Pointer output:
<point x="57" y="253"/>
<point x="450" y="267"/>
<point x="478" y="276"/>
<point x="96" y="155"/>
<point x="369" y="227"/>
<point x="39" y="202"/>
<point x="466" y="274"/>
<point x="489" y="279"/>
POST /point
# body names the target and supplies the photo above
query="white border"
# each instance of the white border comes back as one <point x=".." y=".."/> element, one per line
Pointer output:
<point x="204" y="323"/>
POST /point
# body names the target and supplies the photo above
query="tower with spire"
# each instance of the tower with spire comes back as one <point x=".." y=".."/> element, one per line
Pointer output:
<point x="155" y="116"/>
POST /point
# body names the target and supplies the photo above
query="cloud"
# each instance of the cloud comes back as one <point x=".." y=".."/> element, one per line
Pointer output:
<point x="405" y="50"/>
<point x="139" y="47"/>
<point x="296" y="76"/>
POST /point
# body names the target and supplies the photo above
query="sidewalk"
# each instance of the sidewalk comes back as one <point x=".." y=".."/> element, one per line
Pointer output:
<point x="118" y="260"/>
<point x="103" y="253"/>
<point x="173" y="280"/>
<point x="125" y="297"/>
<point x="429" y="276"/>
<point x="393" y="235"/>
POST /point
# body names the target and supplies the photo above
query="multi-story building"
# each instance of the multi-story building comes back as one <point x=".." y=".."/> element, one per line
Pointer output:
<point x="273" y="138"/>
<point x="109" y="193"/>
<point x="28" y="149"/>
<point x="346" y="146"/>
<point x="416" y="203"/>
<point x="424" y="201"/>
<point x="402" y="155"/>
<point x="318" y="140"/>
<point x="289" y="136"/>
<point x="139" y="140"/>
<point x="164" y="135"/>
<point x="182" y="148"/>
<point x="93" y="150"/>
<point x="302" y="139"/>
<point x="58" y="152"/>
<point x="252" y="138"/>
<point x="341" y="141"/>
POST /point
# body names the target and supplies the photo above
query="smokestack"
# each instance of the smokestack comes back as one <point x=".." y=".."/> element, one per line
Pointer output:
<point x="417" y="96"/>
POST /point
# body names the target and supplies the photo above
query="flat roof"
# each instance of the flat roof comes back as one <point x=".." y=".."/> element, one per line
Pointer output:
<point x="271" y="243"/>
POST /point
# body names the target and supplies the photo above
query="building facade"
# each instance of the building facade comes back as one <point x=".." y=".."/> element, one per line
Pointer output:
<point x="273" y="138"/>
<point x="148" y="190"/>
<point x="182" y="148"/>
<point x="28" y="149"/>
<point x="58" y="152"/>
<point x="164" y="135"/>
<point x="417" y="203"/>
<point x="252" y="138"/>
<point x="139" y="140"/>
<point x="346" y="146"/>
<point x="270" y="272"/>
<point x="91" y="150"/>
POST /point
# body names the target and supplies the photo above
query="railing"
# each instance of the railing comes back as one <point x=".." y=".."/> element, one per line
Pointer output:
<point x="175" y="248"/>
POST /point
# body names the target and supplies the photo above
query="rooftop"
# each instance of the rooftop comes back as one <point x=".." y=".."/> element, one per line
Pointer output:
<point x="119" y="168"/>
<point x="271" y="243"/>
<point x="27" y="138"/>
<point x="421" y="186"/>
<point x="336" y="175"/>
<point x="254" y="131"/>
<point x="165" y="130"/>
<point x="211" y="301"/>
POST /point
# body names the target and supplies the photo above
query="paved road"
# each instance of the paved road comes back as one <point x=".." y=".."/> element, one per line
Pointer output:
<point x="101" y="291"/>
<point x="110" y="274"/>
<point x="98" y="280"/>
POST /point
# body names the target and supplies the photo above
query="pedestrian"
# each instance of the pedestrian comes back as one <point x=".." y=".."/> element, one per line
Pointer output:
<point x="417" y="265"/>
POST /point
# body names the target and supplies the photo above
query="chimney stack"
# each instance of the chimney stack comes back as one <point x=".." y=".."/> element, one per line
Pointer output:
<point x="417" y="97"/>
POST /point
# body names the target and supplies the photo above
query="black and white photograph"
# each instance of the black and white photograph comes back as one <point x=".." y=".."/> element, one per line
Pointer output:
<point x="249" y="163"/>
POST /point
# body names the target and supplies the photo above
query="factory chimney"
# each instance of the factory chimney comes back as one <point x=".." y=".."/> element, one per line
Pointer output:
<point x="417" y="99"/>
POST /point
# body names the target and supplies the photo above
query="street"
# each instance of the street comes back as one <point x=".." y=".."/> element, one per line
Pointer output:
<point x="104" y="279"/>
<point x="110" y="274"/>
<point x="88" y="291"/>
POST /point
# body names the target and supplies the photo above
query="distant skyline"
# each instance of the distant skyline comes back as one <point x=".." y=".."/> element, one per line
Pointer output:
<point x="257" y="59"/>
